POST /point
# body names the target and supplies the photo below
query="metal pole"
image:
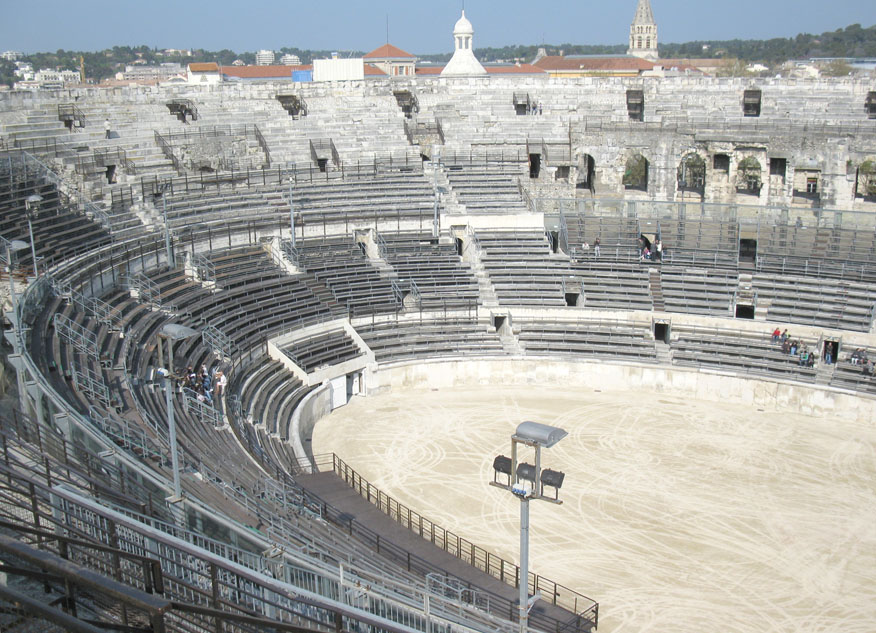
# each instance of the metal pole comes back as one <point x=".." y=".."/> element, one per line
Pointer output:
<point x="524" y="564"/>
<point x="36" y="270"/>
<point x="435" y="217"/>
<point x="171" y="424"/>
<point x="167" y="247"/>
<point x="291" y="214"/>
<point x="19" y="375"/>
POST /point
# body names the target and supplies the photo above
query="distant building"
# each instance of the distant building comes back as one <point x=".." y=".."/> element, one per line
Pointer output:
<point x="492" y="69"/>
<point x="203" y="73"/>
<point x="176" y="52"/>
<point x="274" y="72"/>
<point x="463" y="63"/>
<point x="594" y="66"/>
<point x="392" y="60"/>
<point x="643" y="32"/>
<point x="11" y="56"/>
<point x="290" y="60"/>
<point x="47" y="79"/>
<point x="46" y="75"/>
<point x="23" y="70"/>
<point x="264" y="58"/>
<point x="350" y="69"/>
<point x="151" y="74"/>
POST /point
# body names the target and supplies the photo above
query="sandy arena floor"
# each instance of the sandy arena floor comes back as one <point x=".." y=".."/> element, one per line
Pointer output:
<point x="679" y="516"/>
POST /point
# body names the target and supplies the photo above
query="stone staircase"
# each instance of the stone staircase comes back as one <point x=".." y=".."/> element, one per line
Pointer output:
<point x="824" y="373"/>
<point x="510" y="343"/>
<point x="449" y="201"/>
<point x="486" y="291"/>
<point x="664" y="353"/>
<point x="321" y="292"/>
<point x="655" y="281"/>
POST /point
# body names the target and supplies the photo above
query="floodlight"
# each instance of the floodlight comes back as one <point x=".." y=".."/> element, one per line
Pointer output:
<point x="17" y="245"/>
<point x="502" y="465"/>
<point x="539" y="434"/>
<point x="526" y="471"/>
<point x="552" y="478"/>
<point x="34" y="199"/>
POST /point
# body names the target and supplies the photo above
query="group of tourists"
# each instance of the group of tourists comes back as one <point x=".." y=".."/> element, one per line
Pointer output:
<point x="206" y="384"/>
<point x="861" y="358"/>
<point x="794" y="347"/>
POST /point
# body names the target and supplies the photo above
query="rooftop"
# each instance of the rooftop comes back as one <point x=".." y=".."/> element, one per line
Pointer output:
<point x="204" y="67"/>
<point x="388" y="51"/>
<point x="262" y="72"/>
<point x="595" y="63"/>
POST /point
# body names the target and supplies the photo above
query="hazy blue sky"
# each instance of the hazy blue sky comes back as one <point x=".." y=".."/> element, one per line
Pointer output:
<point x="416" y="26"/>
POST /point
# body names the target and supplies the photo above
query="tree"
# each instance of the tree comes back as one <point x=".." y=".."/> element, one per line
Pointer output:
<point x="748" y="178"/>
<point x="866" y="185"/>
<point x="837" y="68"/>
<point x="636" y="173"/>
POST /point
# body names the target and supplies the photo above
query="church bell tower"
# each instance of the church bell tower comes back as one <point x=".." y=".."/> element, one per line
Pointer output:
<point x="643" y="33"/>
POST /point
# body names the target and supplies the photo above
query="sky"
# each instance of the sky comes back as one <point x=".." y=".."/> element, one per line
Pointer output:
<point x="417" y="26"/>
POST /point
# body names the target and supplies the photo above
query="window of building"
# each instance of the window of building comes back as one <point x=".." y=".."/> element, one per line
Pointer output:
<point x="865" y="182"/>
<point x="778" y="167"/>
<point x="751" y="103"/>
<point x="636" y="173"/>
<point x="870" y="104"/>
<point x="721" y="162"/>
<point x="806" y="183"/>
<point x="748" y="178"/>
<point x="647" y="42"/>
<point x="692" y="173"/>
<point x="636" y="105"/>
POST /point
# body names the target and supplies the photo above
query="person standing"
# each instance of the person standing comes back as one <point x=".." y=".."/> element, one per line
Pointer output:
<point x="596" y="248"/>
<point x="107" y="127"/>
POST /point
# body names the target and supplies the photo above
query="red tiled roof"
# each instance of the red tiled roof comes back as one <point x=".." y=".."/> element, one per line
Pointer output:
<point x="510" y="69"/>
<point x="262" y="72"/>
<point x="388" y="51"/>
<point x="373" y="71"/>
<point x="204" y="67"/>
<point x="521" y="69"/>
<point x="553" y="62"/>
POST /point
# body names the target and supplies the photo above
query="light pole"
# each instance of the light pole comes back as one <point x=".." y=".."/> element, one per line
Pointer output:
<point x="529" y="482"/>
<point x="292" y="213"/>
<point x="161" y="190"/>
<point x="436" y="165"/>
<point x="172" y="332"/>
<point x="11" y="248"/>
<point x="171" y="260"/>
<point x="32" y="207"/>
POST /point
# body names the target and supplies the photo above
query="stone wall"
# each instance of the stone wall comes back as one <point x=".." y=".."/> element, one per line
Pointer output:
<point x="817" y="126"/>
<point x="710" y="386"/>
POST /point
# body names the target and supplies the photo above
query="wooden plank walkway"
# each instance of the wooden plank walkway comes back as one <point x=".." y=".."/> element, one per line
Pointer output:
<point x="335" y="492"/>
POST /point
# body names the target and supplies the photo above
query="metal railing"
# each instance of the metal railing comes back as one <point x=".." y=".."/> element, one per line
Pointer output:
<point x="263" y="144"/>
<point x="199" y="584"/>
<point x="71" y="112"/>
<point x="167" y="150"/>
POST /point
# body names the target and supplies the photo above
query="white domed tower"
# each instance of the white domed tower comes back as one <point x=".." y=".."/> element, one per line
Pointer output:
<point x="463" y="62"/>
<point x="643" y="32"/>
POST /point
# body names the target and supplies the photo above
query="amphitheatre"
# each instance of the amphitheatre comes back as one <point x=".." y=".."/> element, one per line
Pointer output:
<point x="392" y="275"/>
